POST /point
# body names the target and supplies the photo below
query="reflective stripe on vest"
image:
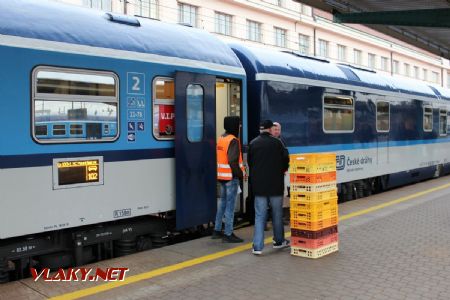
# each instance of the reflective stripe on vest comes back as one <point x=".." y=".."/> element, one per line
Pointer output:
<point x="223" y="167"/>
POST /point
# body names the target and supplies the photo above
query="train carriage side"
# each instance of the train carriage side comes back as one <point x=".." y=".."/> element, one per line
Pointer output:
<point x="87" y="129"/>
<point x="384" y="131"/>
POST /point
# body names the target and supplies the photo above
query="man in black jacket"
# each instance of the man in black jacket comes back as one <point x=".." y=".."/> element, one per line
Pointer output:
<point x="268" y="160"/>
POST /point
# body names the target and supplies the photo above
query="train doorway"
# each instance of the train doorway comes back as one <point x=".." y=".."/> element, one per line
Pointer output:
<point x="195" y="148"/>
<point x="228" y="103"/>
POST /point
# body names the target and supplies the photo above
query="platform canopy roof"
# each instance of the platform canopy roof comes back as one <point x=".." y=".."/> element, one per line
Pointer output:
<point x="424" y="24"/>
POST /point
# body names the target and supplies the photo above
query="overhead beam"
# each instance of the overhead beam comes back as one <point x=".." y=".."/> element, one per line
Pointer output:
<point x="420" y="17"/>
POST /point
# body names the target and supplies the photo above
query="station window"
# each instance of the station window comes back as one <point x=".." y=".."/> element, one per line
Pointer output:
<point x="70" y="100"/>
<point x="383" y="116"/>
<point x="427" y="118"/>
<point x="163" y="108"/>
<point x="338" y="114"/>
<point x="194" y="111"/>
<point x="442" y="122"/>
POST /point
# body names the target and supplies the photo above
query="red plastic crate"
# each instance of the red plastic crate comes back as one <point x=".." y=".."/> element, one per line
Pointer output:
<point x="314" y="243"/>
<point x="314" y="234"/>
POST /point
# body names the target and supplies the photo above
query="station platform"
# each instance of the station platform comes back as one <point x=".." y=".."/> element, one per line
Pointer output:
<point x="394" y="245"/>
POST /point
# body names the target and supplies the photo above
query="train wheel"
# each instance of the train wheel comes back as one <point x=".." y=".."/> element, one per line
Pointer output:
<point x="348" y="191"/>
<point x="4" y="275"/>
<point x="359" y="189"/>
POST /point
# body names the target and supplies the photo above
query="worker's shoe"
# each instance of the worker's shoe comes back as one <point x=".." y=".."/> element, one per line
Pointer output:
<point x="231" y="239"/>
<point x="216" y="235"/>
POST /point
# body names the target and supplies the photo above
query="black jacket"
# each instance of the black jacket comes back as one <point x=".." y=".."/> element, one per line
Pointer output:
<point x="268" y="160"/>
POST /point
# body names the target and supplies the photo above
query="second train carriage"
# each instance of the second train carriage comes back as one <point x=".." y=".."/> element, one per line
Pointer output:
<point x="385" y="131"/>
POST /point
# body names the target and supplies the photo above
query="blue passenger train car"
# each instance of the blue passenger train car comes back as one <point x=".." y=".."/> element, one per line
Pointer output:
<point x="385" y="131"/>
<point x="88" y="147"/>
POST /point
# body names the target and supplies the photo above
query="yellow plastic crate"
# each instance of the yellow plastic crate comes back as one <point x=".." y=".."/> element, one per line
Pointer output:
<point x="313" y="158"/>
<point x="313" y="196"/>
<point x="312" y="163"/>
<point x="313" y="187"/>
<point x="314" y="206"/>
<point x="313" y="216"/>
<point x="315" y="253"/>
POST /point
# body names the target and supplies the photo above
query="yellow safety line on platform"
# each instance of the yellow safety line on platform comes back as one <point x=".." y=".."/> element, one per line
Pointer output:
<point x="217" y="255"/>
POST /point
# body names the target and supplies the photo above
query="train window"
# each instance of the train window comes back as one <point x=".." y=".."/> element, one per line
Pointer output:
<point x="427" y="118"/>
<point x="383" y="116"/>
<point x="163" y="108"/>
<point x="338" y="114"/>
<point x="76" y="129"/>
<point x="59" y="129"/>
<point x="78" y="102"/>
<point x="194" y="111"/>
<point x="41" y="130"/>
<point x="442" y="122"/>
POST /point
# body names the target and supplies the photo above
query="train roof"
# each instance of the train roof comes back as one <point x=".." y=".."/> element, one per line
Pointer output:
<point x="261" y="63"/>
<point x="56" y="22"/>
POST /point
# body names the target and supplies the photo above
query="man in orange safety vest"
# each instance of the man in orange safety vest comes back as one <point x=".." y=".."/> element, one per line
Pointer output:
<point x="230" y="170"/>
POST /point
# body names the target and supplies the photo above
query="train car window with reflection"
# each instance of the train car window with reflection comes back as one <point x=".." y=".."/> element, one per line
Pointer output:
<point x="163" y="108"/>
<point x="72" y="105"/>
<point x="427" y="118"/>
<point x="338" y="114"/>
<point x="442" y="122"/>
<point x="383" y="116"/>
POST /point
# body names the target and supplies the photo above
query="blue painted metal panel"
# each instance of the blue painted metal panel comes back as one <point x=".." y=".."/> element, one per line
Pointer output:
<point x="58" y="22"/>
<point x="15" y="101"/>
<point x="259" y="60"/>
<point x="195" y="162"/>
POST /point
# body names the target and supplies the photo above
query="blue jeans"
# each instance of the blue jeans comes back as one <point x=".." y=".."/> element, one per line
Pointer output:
<point x="225" y="205"/>
<point x="276" y="202"/>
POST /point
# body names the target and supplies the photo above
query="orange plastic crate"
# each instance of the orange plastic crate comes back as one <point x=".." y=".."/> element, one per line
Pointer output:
<point x="313" y="178"/>
<point x="314" y="243"/>
<point x="314" y="216"/>
<point x="313" y="196"/>
<point x="314" y="225"/>
<point x="315" y="253"/>
<point x="313" y="187"/>
<point x="314" y="206"/>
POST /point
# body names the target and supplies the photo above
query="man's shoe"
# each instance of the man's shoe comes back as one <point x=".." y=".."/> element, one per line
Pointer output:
<point x="281" y="245"/>
<point x="216" y="235"/>
<point x="256" y="252"/>
<point x="231" y="239"/>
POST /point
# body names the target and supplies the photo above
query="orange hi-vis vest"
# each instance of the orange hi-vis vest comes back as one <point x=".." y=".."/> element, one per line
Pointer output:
<point x="223" y="167"/>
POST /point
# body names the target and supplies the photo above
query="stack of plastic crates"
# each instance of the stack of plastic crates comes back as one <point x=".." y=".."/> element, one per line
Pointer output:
<point x="314" y="209"/>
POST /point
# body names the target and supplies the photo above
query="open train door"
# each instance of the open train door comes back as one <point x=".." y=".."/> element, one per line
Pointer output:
<point x="195" y="149"/>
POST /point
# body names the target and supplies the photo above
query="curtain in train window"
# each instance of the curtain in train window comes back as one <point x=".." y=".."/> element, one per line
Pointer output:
<point x="194" y="103"/>
<point x="338" y="114"/>
<point x="442" y="122"/>
<point x="383" y="120"/>
<point x="74" y="105"/>
<point x="427" y="118"/>
<point x="163" y="108"/>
